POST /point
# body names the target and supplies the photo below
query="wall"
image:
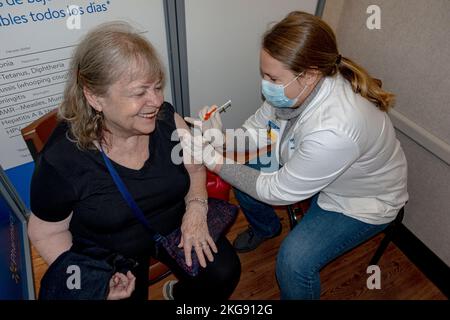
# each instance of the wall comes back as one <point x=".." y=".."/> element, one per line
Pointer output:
<point x="410" y="54"/>
<point x="223" y="44"/>
<point x="332" y="12"/>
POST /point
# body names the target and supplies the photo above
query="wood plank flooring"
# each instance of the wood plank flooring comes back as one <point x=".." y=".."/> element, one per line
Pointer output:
<point x="343" y="279"/>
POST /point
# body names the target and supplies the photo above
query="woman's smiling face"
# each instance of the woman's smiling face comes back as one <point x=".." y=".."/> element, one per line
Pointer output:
<point x="130" y="106"/>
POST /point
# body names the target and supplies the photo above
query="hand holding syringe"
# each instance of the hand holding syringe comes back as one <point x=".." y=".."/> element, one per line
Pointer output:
<point x="209" y="118"/>
<point x="204" y="114"/>
<point x="220" y="109"/>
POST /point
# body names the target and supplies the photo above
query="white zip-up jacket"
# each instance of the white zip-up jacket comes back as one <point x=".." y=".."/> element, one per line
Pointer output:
<point x="342" y="146"/>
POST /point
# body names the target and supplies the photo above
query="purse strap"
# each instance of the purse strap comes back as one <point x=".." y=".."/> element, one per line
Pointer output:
<point x="128" y="198"/>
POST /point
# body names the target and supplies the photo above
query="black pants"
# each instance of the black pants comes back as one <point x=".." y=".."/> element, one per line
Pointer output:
<point x="216" y="282"/>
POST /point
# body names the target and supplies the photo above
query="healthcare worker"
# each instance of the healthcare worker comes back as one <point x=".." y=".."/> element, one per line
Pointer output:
<point x="328" y="122"/>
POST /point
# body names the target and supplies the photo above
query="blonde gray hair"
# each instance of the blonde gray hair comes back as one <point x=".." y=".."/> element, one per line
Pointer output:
<point x="107" y="53"/>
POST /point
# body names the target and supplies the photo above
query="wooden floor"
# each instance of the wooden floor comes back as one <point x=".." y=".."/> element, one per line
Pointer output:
<point x="343" y="279"/>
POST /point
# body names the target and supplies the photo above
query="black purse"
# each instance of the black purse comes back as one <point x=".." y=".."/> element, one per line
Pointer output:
<point x="221" y="215"/>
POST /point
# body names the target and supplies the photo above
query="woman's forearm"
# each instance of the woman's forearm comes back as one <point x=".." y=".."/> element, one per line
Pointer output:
<point x="198" y="183"/>
<point x="51" y="248"/>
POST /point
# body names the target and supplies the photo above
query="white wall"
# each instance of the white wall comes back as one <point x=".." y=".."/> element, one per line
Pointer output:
<point x="223" y="43"/>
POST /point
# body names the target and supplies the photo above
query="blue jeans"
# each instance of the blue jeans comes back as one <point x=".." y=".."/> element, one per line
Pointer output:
<point x="261" y="216"/>
<point x="320" y="237"/>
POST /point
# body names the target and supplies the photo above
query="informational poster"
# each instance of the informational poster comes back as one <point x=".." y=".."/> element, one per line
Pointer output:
<point x="16" y="281"/>
<point x="37" y="38"/>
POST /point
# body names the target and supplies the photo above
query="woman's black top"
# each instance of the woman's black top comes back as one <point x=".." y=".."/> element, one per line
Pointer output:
<point x="67" y="179"/>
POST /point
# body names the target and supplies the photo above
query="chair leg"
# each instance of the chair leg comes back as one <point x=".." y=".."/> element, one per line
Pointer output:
<point x="382" y="247"/>
<point x="159" y="278"/>
<point x="389" y="233"/>
<point x="292" y="216"/>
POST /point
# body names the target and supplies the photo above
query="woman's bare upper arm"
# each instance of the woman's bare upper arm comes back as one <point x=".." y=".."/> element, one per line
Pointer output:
<point x="39" y="229"/>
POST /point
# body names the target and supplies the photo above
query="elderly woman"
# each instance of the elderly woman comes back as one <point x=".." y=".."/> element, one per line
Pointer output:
<point x="114" y="102"/>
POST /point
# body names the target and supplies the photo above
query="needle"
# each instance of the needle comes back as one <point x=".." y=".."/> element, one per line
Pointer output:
<point x="222" y="108"/>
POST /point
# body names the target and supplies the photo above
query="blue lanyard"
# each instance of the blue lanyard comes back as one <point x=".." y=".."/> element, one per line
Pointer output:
<point x="128" y="198"/>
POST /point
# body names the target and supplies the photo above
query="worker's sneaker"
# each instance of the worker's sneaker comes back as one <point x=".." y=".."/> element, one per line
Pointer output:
<point x="248" y="240"/>
<point x="168" y="289"/>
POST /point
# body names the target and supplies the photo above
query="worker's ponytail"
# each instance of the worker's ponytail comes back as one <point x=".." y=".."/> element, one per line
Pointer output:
<point x="364" y="84"/>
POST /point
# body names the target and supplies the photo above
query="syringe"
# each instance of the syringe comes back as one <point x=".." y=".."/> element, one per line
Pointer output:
<point x="222" y="108"/>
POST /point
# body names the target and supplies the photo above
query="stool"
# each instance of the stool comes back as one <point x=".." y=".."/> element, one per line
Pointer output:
<point x="301" y="208"/>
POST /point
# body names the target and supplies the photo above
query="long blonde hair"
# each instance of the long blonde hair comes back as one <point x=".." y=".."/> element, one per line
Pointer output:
<point x="302" y="41"/>
<point x="107" y="53"/>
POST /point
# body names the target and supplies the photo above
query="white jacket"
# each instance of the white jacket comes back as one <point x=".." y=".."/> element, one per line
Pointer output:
<point x="341" y="145"/>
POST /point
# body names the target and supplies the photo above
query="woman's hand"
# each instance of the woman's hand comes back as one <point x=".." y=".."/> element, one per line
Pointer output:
<point x="195" y="233"/>
<point x="121" y="286"/>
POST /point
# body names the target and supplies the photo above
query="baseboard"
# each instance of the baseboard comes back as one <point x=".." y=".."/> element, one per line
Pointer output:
<point x="428" y="262"/>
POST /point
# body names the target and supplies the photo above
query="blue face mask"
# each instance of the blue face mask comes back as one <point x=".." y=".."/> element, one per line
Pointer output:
<point x="274" y="93"/>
